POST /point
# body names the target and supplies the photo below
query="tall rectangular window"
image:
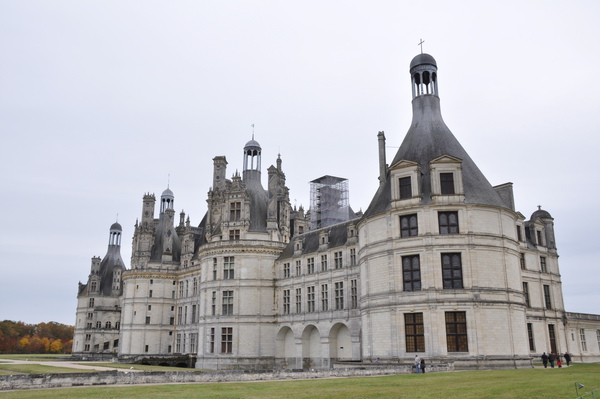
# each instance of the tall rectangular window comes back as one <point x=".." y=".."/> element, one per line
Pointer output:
<point x="530" y="336"/>
<point x="547" y="299"/>
<point x="323" y="263"/>
<point x="228" y="267"/>
<point x="227" y="303"/>
<point x="539" y="237"/>
<point x="598" y="338"/>
<point x="227" y="340"/>
<point x="193" y="341"/>
<point x="456" y="332"/>
<point x="91" y="303"/>
<point x="181" y="289"/>
<point x="411" y="273"/>
<point x="234" y="234"/>
<point x="447" y="183"/>
<point x="298" y="268"/>
<point x="409" y="226"/>
<point x="194" y="310"/>
<point x="582" y="339"/>
<point x="214" y="303"/>
<point x="353" y="294"/>
<point x="178" y="344"/>
<point x="405" y="188"/>
<point x="298" y="300"/>
<point x="339" y="295"/>
<point x="286" y="270"/>
<point x="352" y="256"/>
<point x="211" y="346"/>
<point x="552" y="336"/>
<point x="310" y="265"/>
<point x="215" y="268"/>
<point x="337" y="259"/>
<point x="452" y="271"/>
<point x="235" y="211"/>
<point x="324" y="297"/>
<point x="519" y="234"/>
<point x="415" y="332"/>
<point x="448" y="222"/>
<point x="180" y="315"/>
<point x="526" y="294"/>
<point x="195" y="287"/>
<point x="286" y="301"/>
<point x="522" y="261"/>
<point x="543" y="264"/>
<point x="310" y="299"/>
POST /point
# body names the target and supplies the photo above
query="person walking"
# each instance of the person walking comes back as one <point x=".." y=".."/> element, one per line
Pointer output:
<point x="567" y="358"/>
<point x="418" y="364"/>
<point x="422" y="365"/>
<point x="545" y="360"/>
<point x="551" y="359"/>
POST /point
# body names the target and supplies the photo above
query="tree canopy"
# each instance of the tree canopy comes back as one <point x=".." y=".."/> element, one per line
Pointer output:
<point x="51" y="337"/>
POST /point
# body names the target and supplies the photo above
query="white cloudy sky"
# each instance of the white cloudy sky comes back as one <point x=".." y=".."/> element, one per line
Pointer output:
<point x="101" y="100"/>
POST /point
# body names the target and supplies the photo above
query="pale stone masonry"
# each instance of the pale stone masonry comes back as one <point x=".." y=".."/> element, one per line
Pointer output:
<point x="440" y="265"/>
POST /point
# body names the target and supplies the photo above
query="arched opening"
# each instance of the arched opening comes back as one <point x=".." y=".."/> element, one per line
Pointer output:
<point x="340" y="343"/>
<point x="285" y="348"/>
<point x="311" y="347"/>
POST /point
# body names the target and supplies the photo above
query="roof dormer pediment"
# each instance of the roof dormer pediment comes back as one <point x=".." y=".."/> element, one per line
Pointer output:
<point x="403" y="163"/>
<point x="445" y="159"/>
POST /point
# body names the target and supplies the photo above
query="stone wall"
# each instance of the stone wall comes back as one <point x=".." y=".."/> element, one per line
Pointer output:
<point x="39" y="381"/>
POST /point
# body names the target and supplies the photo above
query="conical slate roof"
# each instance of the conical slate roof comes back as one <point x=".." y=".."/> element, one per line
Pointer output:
<point x="429" y="138"/>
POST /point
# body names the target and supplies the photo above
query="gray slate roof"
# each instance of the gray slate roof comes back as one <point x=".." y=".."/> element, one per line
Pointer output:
<point x="427" y="139"/>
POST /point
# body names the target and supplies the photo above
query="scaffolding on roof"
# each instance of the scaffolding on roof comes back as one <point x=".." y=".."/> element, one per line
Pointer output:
<point x="329" y="203"/>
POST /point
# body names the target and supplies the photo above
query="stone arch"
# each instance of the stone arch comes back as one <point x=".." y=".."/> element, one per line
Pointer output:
<point x="285" y="348"/>
<point x="311" y="347"/>
<point x="340" y="342"/>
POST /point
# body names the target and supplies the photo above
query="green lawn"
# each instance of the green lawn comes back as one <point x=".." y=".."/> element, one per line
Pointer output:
<point x="529" y="383"/>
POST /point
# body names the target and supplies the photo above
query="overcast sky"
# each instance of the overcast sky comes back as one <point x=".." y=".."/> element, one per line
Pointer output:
<point x="100" y="101"/>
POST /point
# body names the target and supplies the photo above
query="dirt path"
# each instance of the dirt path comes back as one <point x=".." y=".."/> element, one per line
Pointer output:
<point x="67" y="364"/>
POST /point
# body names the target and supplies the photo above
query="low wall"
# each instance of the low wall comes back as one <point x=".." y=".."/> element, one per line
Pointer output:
<point x="39" y="381"/>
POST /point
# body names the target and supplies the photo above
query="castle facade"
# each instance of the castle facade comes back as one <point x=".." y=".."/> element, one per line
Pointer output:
<point x="440" y="265"/>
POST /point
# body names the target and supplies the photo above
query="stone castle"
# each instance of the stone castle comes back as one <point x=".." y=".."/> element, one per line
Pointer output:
<point x="440" y="265"/>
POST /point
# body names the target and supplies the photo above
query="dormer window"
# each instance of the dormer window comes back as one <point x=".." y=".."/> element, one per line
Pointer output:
<point x="447" y="183"/>
<point x="446" y="179"/>
<point x="405" y="183"/>
<point x="235" y="211"/>
<point x="405" y="187"/>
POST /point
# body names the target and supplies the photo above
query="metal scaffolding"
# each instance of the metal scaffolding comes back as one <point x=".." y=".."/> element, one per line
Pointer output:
<point x="329" y="203"/>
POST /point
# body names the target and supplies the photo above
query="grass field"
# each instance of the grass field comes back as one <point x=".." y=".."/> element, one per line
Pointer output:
<point x="529" y="383"/>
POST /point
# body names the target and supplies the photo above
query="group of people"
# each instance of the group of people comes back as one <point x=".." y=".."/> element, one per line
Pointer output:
<point x="555" y="358"/>
<point x="419" y="364"/>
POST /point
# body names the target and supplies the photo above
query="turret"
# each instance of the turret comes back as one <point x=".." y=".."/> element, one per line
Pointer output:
<point x="167" y="200"/>
<point x="252" y="160"/>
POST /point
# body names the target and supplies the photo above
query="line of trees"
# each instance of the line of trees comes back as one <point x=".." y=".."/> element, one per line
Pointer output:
<point x="52" y="337"/>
